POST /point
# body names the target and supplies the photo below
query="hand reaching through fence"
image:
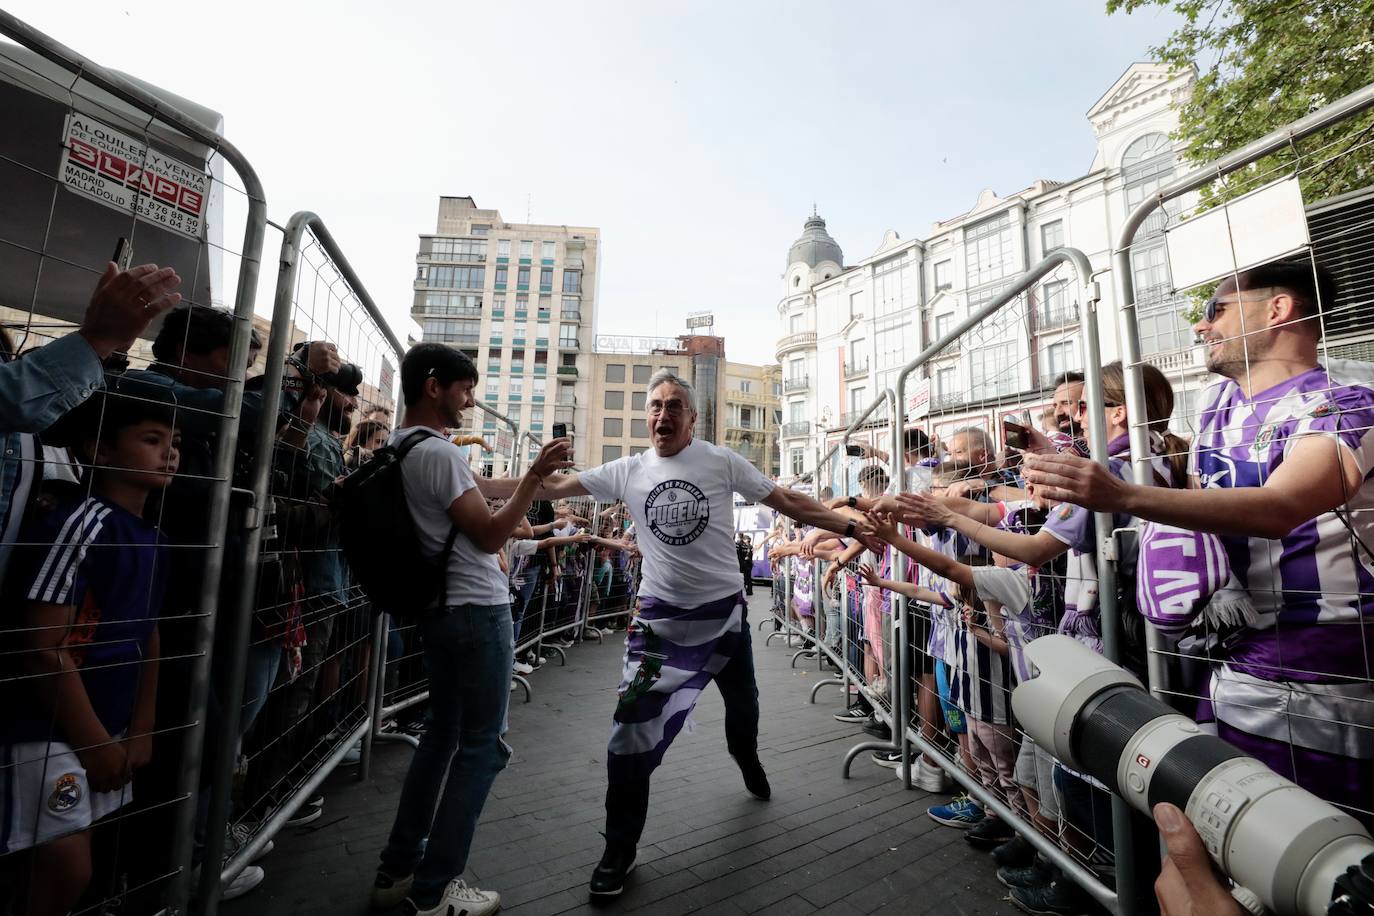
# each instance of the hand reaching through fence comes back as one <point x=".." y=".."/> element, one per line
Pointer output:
<point x="125" y="302"/>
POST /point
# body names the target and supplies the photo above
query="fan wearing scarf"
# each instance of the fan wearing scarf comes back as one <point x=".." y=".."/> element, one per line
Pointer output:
<point x="1280" y="474"/>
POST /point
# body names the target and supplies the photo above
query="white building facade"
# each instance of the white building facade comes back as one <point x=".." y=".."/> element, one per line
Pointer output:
<point x="846" y="331"/>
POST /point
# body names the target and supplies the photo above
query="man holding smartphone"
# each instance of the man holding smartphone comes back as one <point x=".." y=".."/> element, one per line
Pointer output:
<point x="689" y="624"/>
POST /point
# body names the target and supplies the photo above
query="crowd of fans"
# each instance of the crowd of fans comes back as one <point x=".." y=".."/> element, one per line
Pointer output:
<point x="1249" y="555"/>
<point x="104" y="519"/>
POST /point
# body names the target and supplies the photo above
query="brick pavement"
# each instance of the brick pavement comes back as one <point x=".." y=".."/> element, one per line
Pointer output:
<point x="861" y="845"/>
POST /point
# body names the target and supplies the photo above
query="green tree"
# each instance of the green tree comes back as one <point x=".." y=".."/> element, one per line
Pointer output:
<point x="1263" y="64"/>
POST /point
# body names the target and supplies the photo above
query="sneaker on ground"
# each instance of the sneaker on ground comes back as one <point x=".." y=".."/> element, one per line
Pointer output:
<point x="608" y="878"/>
<point x="989" y="833"/>
<point x="962" y="812"/>
<point x="877" y="728"/>
<point x="308" y="813"/>
<point x="459" y="898"/>
<point x="1032" y="875"/>
<point x="389" y="890"/>
<point x="236" y="836"/>
<point x="931" y="777"/>
<point x="1016" y="852"/>
<point x="522" y="668"/>
<point x="243" y="882"/>
<point x="1060" y="897"/>
<point x="354" y="755"/>
<point x="854" y="714"/>
<point x="890" y="759"/>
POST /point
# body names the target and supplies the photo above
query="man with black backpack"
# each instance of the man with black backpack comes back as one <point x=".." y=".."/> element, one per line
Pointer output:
<point x="465" y="625"/>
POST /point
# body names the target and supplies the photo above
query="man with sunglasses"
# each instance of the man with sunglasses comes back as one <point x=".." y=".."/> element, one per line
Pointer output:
<point x="1282" y="459"/>
<point x="689" y="624"/>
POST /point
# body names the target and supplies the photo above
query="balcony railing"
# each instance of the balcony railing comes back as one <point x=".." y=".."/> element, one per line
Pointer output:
<point x="568" y="370"/>
<point x="1055" y="315"/>
<point x="796" y="383"/>
<point x="565" y="343"/>
<point x="856" y="368"/>
<point x="570" y="315"/>
<point x="947" y="400"/>
<point x="796" y="428"/>
<point x="796" y="341"/>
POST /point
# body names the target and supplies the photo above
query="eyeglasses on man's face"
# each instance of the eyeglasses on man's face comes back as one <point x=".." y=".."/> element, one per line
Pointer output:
<point x="672" y="407"/>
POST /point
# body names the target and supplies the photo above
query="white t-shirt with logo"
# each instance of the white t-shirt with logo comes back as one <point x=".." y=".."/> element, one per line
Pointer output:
<point x="434" y="474"/>
<point x="683" y="509"/>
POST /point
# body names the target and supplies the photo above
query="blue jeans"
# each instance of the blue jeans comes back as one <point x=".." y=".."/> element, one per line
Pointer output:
<point x="263" y="661"/>
<point x="468" y="649"/>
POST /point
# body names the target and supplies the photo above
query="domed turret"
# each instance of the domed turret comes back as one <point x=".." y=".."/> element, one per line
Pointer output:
<point x="815" y="245"/>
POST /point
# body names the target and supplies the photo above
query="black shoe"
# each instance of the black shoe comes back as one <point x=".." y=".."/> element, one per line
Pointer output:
<point x="1014" y="853"/>
<point x="1060" y="897"/>
<point x="877" y="729"/>
<point x="855" y="713"/>
<point x="608" y="878"/>
<point x="989" y="833"/>
<point x="1033" y="875"/>
<point x="755" y="779"/>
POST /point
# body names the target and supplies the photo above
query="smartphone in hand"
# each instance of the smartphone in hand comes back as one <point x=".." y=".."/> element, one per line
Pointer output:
<point x="1016" y="435"/>
<point x="560" y="430"/>
<point x="123" y="254"/>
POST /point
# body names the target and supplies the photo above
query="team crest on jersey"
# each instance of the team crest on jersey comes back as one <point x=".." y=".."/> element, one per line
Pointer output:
<point x="1066" y="510"/>
<point x="1266" y="436"/>
<point x="677" y="512"/>
<point x="66" y="793"/>
<point x="1324" y="409"/>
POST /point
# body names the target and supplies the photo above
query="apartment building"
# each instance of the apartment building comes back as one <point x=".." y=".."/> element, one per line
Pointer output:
<point x="520" y="299"/>
<point x="753" y="398"/>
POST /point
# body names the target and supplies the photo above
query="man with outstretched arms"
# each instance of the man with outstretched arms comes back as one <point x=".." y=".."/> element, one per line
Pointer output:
<point x="689" y="625"/>
<point x="1281" y="487"/>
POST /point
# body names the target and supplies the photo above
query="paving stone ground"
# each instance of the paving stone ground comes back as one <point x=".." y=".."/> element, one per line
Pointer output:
<point x="823" y="843"/>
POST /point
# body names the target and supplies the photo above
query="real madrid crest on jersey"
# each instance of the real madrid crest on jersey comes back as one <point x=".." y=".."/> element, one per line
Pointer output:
<point x="677" y="512"/>
<point x="66" y="794"/>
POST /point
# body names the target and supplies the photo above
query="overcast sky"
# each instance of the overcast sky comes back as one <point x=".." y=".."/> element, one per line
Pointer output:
<point x="696" y="136"/>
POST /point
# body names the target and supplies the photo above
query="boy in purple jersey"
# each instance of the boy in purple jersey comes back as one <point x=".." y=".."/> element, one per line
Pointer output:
<point x="1280" y="466"/>
<point x="84" y="590"/>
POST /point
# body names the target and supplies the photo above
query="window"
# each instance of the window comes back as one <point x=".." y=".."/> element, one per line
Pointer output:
<point x="566" y="394"/>
<point x="546" y="278"/>
<point x="570" y="308"/>
<point x="572" y="281"/>
<point x="639" y="429"/>
<point x="994" y="372"/>
<point x="501" y="276"/>
<point x="526" y="248"/>
<point x="990" y="250"/>
<point x="447" y="330"/>
<point x="493" y="386"/>
<point x="777" y="389"/>
<point x="464" y="304"/>
<point x="503" y="248"/>
<point x="642" y="374"/>
<point x="521" y="329"/>
<point x="744" y="385"/>
<point x="796" y="369"/>
<point x="797" y="460"/>
<point x="498" y="302"/>
<point x="1059" y="358"/>
<point x="541" y="330"/>
<point x="944" y="323"/>
<point x="858" y="350"/>
<point x="522" y="277"/>
<point x="638" y="449"/>
<point x="540" y="387"/>
<point x="609" y="453"/>
<point x="547" y="253"/>
<point x="889" y="286"/>
<point x="545" y="303"/>
<point x="1054" y="305"/>
<point x="567" y="335"/>
<point x="856" y="304"/>
<point x="943" y="280"/>
<point x="946" y="380"/>
<point x="615" y="400"/>
<point x="478" y="229"/>
<point x="537" y="413"/>
<point x="522" y="303"/>
<point x="746" y="417"/>
<point x="858" y="399"/>
<point x="1146" y="165"/>
<point x="638" y="399"/>
<point x="517" y="386"/>
<point x="458" y="250"/>
<point x="1051" y="236"/>
<point x="796" y="411"/>
<point x="456" y="277"/>
<point x="794" y="323"/>
<point x="612" y="427"/>
<point x="615" y="372"/>
<point x="569" y="359"/>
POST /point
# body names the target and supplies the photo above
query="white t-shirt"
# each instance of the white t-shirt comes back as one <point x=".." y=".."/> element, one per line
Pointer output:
<point x="435" y="473"/>
<point x="684" y="516"/>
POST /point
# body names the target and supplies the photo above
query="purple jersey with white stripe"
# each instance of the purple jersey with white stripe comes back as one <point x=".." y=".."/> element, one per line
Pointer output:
<point x="1313" y="590"/>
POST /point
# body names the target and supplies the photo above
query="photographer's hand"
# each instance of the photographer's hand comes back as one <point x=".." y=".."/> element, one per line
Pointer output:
<point x="1188" y="885"/>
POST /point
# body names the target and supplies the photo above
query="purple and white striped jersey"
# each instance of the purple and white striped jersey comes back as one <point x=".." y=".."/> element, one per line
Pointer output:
<point x="1075" y="526"/>
<point x="1312" y="590"/>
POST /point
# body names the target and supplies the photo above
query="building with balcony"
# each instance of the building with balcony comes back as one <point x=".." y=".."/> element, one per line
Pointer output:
<point x="847" y="330"/>
<point x="753" y="399"/>
<point x="520" y="299"/>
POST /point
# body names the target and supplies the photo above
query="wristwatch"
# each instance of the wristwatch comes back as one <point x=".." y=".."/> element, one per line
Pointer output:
<point x="853" y="502"/>
<point x="849" y="529"/>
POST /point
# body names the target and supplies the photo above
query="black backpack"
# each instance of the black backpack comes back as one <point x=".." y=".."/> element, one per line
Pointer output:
<point x="379" y="537"/>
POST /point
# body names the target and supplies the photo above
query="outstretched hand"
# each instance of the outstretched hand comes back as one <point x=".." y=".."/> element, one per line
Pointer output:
<point x="552" y="457"/>
<point x="924" y="509"/>
<point x="1073" y="479"/>
<point x="125" y="302"/>
<point x="869" y="574"/>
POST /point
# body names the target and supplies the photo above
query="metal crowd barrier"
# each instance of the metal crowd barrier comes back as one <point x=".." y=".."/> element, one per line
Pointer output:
<point x="109" y="126"/>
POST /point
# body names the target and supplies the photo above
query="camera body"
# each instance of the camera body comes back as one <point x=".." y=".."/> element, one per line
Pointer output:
<point x="1273" y="837"/>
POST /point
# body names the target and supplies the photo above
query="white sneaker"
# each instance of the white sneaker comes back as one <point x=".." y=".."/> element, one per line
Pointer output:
<point x="389" y="891"/>
<point x="931" y="778"/>
<point x="354" y="755"/>
<point x="238" y="835"/>
<point x="459" y="898"/>
<point x="247" y="879"/>
<point x="522" y="668"/>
